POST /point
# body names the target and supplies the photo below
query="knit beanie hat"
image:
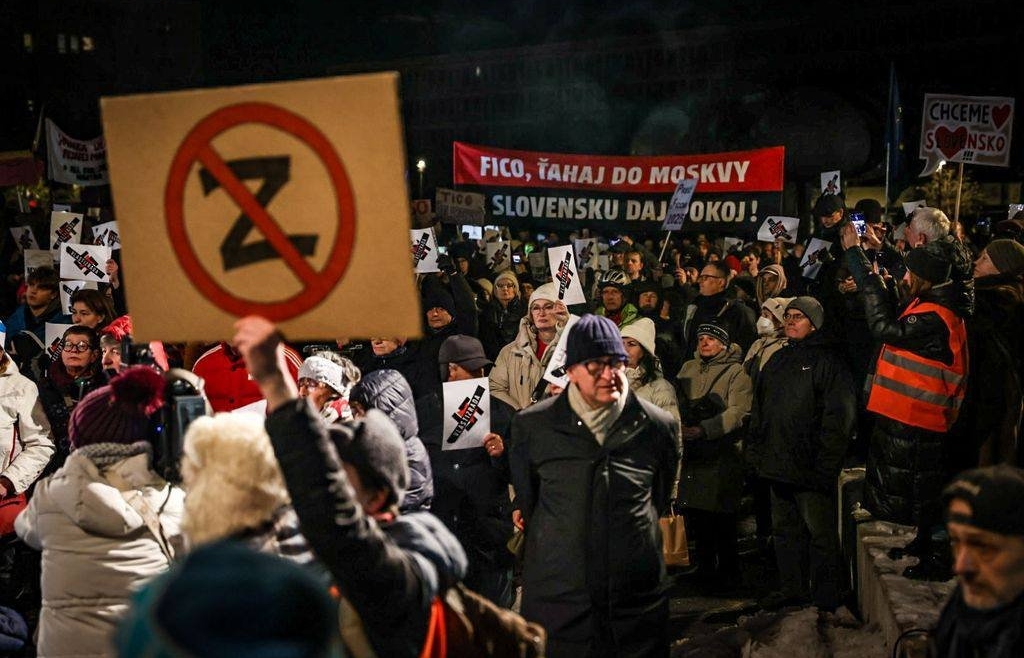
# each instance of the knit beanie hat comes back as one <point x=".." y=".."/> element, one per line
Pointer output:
<point x="810" y="307"/>
<point x="994" y="494"/>
<point x="642" y="331"/>
<point x="716" y="331"/>
<point x="777" y="306"/>
<point x="325" y="371"/>
<point x="547" y="292"/>
<point x="1006" y="255"/>
<point x="439" y="298"/>
<point x="373" y="446"/>
<point x="486" y="285"/>
<point x="929" y="263"/>
<point x="226" y="599"/>
<point x="593" y="337"/>
<point x="118" y="412"/>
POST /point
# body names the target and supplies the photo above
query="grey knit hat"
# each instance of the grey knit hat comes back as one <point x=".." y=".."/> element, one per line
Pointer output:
<point x="373" y="446"/>
<point x="810" y="307"/>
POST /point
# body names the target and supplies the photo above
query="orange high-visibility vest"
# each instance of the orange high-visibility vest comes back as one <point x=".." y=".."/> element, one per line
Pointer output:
<point x="917" y="391"/>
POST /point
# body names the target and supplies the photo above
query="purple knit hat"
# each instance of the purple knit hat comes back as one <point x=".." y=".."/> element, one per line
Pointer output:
<point x="118" y="412"/>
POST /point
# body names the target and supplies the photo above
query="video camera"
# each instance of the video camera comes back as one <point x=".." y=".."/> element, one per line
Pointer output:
<point x="184" y="401"/>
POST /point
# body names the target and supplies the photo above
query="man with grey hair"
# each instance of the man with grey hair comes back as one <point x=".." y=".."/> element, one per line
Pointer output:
<point x="927" y="225"/>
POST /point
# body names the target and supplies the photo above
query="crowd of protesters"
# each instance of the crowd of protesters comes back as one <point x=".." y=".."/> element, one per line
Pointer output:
<point x="715" y="382"/>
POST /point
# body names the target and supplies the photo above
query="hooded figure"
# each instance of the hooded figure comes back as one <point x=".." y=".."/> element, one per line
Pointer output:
<point x="388" y="391"/>
<point x="105" y="522"/>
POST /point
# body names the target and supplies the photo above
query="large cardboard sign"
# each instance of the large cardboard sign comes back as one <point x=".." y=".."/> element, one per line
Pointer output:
<point x="284" y="200"/>
<point x="467" y="413"/>
<point x="969" y="129"/>
<point x="736" y="189"/>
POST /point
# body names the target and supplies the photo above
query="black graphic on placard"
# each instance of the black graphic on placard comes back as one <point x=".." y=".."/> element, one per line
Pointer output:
<point x="467" y="415"/>
<point x="420" y="249"/>
<point x="85" y="262"/>
<point x="564" y="275"/>
<point x="275" y="173"/>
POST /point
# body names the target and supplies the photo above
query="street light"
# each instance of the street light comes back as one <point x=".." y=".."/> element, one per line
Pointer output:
<point x="421" y="166"/>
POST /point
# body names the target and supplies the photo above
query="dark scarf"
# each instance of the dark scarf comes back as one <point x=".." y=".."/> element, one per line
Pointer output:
<point x="964" y="632"/>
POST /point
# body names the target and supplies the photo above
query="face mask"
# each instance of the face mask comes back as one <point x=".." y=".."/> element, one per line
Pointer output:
<point x="765" y="327"/>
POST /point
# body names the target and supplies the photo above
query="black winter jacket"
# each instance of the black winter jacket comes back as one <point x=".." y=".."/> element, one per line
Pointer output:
<point x="390" y="572"/>
<point x="388" y="391"/>
<point x="499" y="325"/>
<point x="907" y="466"/>
<point x="593" y="569"/>
<point x="802" y="415"/>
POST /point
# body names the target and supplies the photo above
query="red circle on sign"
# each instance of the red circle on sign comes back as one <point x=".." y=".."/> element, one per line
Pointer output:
<point x="316" y="285"/>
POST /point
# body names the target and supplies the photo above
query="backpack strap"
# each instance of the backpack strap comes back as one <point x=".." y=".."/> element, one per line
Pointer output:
<point x="137" y="502"/>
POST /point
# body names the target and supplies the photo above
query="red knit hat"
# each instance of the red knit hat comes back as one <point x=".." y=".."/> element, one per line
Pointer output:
<point x="118" y="412"/>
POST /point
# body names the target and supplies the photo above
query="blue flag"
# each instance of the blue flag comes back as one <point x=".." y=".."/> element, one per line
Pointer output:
<point x="894" y="146"/>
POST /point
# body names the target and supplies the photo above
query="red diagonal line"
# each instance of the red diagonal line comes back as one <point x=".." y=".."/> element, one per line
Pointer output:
<point x="257" y="213"/>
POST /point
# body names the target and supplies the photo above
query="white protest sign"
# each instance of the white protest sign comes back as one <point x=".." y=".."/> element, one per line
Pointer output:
<point x="910" y="206"/>
<point x="75" y="161"/>
<point x="24" y="237"/>
<point x="467" y="413"/>
<point x="731" y="243"/>
<point x="64" y="227"/>
<point x="84" y="261"/>
<point x="287" y="200"/>
<point x="36" y="258"/>
<point x="811" y="262"/>
<point x="558" y="356"/>
<point x="779" y="228"/>
<point x="679" y="206"/>
<point x="566" y="277"/>
<point x="424" y="250"/>
<point x="54" y="334"/>
<point x="455" y="207"/>
<point x="586" y="252"/>
<point x="603" y="263"/>
<point x="472" y="232"/>
<point x="106" y="235"/>
<point x="1013" y="209"/>
<point x="499" y="256"/>
<point x="68" y="288"/>
<point x="970" y="129"/>
<point x="831" y="183"/>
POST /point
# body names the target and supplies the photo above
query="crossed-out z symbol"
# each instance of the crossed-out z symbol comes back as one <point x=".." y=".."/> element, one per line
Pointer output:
<point x="274" y="172"/>
<point x="467" y="415"/>
<point x="564" y="275"/>
<point x="420" y="249"/>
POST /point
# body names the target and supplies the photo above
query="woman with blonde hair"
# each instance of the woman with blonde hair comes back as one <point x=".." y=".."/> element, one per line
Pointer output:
<point x="235" y="488"/>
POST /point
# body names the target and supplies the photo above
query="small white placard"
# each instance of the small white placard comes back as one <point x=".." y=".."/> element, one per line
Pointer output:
<point x="499" y="256"/>
<point x="106" y="235"/>
<point x="586" y="252"/>
<point x="566" y="277"/>
<point x="831" y="182"/>
<point x="811" y="262"/>
<point x="779" y="228"/>
<point x="558" y="356"/>
<point x="36" y="258"/>
<point x="65" y="227"/>
<point x="84" y="261"/>
<point x="67" y="288"/>
<point x="679" y="206"/>
<point x="910" y="206"/>
<point x="424" y="250"/>
<point x="467" y="414"/>
<point x="24" y="237"/>
<point x="54" y="335"/>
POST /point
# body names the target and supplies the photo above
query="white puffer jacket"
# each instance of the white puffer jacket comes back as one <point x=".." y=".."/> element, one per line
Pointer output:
<point x="24" y="458"/>
<point x="97" y="549"/>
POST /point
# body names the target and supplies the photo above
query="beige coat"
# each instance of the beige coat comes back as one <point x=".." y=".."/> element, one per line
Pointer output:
<point x="22" y="460"/>
<point x="659" y="393"/>
<point x="97" y="549"/>
<point x="517" y="370"/>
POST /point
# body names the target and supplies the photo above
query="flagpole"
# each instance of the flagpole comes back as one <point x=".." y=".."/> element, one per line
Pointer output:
<point x="959" y="187"/>
<point x="664" y="245"/>
<point x="888" y="139"/>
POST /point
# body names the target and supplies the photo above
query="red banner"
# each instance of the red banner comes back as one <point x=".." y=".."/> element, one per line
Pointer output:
<point x="759" y="170"/>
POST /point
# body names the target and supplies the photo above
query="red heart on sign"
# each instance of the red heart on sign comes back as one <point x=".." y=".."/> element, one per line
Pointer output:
<point x="950" y="142"/>
<point x="1000" y="115"/>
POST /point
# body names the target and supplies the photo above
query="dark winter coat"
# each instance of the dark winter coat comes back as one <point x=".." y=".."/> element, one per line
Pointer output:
<point x="907" y="466"/>
<point x="991" y="413"/>
<point x="802" y="416"/>
<point x="388" y="391"/>
<point x="593" y="573"/>
<point x="390" y="572"/>
<point x="735" y="316"/>
<point x="499" y="325"/>
<point x="965" y="632"/>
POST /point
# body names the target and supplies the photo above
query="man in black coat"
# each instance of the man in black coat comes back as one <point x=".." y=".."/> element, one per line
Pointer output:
<point x="801" y="422"/>
<point x="593" y="470"/>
